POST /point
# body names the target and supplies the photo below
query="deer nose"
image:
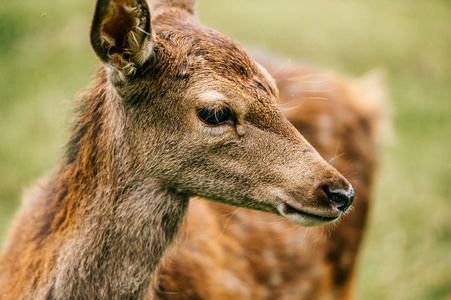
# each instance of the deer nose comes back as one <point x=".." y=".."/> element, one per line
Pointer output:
<point x="340" y="199"/>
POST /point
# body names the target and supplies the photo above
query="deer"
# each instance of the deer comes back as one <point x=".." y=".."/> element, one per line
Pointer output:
<point x="175" y="111"/>
<point x="234" y="253"/>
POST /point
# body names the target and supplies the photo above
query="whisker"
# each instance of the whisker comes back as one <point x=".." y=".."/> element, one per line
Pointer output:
<point x="226" y="223"/>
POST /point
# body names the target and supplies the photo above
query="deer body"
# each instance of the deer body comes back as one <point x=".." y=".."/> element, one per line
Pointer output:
<point x="76" y="232"/>
<point x="176" y="111"/>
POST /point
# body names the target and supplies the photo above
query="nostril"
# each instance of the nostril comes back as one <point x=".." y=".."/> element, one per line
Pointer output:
<point x="339" y="198"/>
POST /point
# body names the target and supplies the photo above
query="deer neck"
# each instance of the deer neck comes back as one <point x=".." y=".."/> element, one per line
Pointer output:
<point x="116" y="249"/>
<point x="116" y="223"/>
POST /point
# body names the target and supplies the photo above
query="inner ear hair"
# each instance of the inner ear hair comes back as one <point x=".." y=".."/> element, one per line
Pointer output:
<point x="121" y="34"/>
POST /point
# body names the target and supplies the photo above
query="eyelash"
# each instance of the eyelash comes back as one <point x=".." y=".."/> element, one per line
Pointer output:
<point x="215" y="115"/>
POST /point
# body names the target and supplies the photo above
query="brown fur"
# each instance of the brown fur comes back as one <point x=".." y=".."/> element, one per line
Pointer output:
<point x="100" y="225"/>
<point x="229" y="253"/>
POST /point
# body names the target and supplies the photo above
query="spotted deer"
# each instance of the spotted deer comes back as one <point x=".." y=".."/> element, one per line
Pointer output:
<point x="234" y="253"/>
<point x="175" y="111"/>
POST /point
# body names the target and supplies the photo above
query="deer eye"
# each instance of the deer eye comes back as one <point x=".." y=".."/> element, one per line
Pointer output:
<point x="215" y="115"/>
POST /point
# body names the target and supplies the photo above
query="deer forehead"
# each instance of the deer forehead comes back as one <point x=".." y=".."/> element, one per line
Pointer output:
<point x="204" y="55"/>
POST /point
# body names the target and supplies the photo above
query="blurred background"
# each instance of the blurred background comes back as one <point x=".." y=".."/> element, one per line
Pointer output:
<point x="45" y="59"/>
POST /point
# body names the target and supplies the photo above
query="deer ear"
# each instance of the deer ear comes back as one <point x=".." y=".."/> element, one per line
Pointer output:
<point x="121" y="34"/>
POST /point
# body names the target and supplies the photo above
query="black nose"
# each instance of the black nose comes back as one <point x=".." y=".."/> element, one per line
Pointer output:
<point x="339" y="198"/>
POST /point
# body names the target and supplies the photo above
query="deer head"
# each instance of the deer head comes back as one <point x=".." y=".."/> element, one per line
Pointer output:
<point x="201" y="117"/>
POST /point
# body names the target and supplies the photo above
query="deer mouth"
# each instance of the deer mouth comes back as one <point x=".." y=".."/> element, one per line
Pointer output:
<point x="305" y="218"/>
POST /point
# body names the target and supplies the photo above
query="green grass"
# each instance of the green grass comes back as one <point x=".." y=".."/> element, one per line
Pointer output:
<point x="45" y="58"/>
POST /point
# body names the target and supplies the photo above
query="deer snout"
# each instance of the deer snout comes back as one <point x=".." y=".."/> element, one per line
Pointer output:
<point x="338" y="197"/>
<point x="329" y="199"/>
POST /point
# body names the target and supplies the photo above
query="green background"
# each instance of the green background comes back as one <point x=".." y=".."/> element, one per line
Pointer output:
<point x="45" y="58"/>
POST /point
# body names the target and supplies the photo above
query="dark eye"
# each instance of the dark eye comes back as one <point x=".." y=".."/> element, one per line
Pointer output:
<point x="215" y="115"/>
